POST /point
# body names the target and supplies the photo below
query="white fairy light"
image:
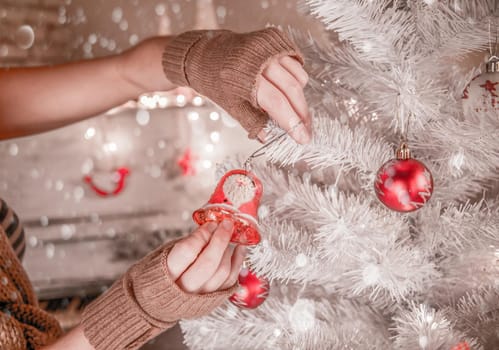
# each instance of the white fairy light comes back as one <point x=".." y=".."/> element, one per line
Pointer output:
<point x="110" y="147"/>
<point x="193" y="116"/>
<point x="13" y="149"/>
<point x="302" y="315"/>
<point x="214" y="116"/>
<point x="215" y="136"/>
<point x="181" y="100"/>
<point x="117" y="14"/>
<point x="207" y="163"/>
<point x="90" y="133"/>
<point x="163" y="102"/>
<point x="143" y="116"/>
<point x="197" y="101"/>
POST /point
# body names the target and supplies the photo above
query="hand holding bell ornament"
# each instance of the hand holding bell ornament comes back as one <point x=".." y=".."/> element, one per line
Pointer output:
<point x="236" y="197"/>
<point x="403" y="184"/>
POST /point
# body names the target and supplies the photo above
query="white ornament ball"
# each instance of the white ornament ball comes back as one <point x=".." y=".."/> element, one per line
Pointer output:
<point x="482" y="94"/>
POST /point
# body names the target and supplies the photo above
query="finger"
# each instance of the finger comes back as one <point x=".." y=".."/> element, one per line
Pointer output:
<point x="206" y="264"/>
<point x="275" y="103"/>
<point x="185" y="252"/>
<point x="295" y="68"/>
<point x="290" y="87"/>
<point x="221" y="274"/>
<point x="235" y="267"/>
<point x="262" y="136"/>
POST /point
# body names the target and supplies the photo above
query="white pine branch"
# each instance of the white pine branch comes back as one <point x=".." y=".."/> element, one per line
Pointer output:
<point x="422" y="327"/>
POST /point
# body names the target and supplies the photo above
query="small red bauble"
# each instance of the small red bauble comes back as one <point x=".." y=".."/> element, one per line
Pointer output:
<point x="252" y="292"/>
<point x="461" y="346"/>
<point x="403" y="184"/>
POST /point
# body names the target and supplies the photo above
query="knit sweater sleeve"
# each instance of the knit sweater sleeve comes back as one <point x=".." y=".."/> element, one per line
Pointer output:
<point x="23" y="324"/>
<point x="142" y="304"/>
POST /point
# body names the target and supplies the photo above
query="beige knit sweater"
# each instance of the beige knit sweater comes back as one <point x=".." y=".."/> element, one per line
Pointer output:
<point x="23" y="325"/>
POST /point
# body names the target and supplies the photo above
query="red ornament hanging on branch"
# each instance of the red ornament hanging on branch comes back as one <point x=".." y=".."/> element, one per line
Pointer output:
<point x="403" y="184"/>
<point x="252" y="292"/>
<point x="461" y="346"/>
<point x="119" y="179"/>
<point x="236" y="197"/>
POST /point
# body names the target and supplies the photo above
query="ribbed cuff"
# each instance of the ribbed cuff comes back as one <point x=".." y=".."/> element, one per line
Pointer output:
<point x="112" y="321"/>
<point x="163" y="300"/>
<point x="142" y="304"/>
<point x="246" y="62"/>
<point x="175" y="55"/>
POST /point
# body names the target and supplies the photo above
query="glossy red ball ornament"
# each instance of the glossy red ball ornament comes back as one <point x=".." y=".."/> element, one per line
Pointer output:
<point x="461" y="346"/>
<point x="252" y="292"/>
<point x="403" y="184"/>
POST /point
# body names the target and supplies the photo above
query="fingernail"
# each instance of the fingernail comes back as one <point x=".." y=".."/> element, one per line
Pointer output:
<point x="302" y="135"/>
<point x="211" y="226"/>
<point x="227" y="224"/>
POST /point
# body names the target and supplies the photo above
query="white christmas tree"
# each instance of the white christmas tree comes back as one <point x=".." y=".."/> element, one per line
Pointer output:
<point x="346" y="271"/>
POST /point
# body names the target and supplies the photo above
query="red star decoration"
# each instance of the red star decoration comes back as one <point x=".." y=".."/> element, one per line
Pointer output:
<point x="490" y="87"/>
<point x="186" y="163"/>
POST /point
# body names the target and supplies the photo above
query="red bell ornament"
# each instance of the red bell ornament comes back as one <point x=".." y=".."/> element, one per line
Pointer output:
<point x="403" y="184"/>
<point x="252" y="292"/>
<point x="236" y="197"/>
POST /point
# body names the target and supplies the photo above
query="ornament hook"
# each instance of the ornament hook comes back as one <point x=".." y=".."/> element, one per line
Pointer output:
<point x="261" y="151"/>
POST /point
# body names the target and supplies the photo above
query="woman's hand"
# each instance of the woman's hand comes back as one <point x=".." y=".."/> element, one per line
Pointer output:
<point x="280" y="93"/>
<point x="205" y="261"/>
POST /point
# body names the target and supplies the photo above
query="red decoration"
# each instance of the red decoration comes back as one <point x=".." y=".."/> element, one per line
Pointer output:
<point x="481" y="95"/>
<point x="236" y="197"/>
<point x="186" y="163"/>
<point x="252" y="292"/>
<point x="490" y="87"/>
<point x="461" y="346"/>
<point x="403" y="184"/>
<point x="121" y="174"/>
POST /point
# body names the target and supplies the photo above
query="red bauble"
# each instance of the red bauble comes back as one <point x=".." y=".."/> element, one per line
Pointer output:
<point x="461" y="346"/>
<point x="403" y="184"/>
<point x="252" y="292"/>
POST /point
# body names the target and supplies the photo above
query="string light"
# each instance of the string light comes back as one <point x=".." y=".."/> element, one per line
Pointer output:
<point x="181" y="100"/>
<point x="193" y="116"/>
<point x="215" y="136"/>
<point x="214" y="116"/>
<point x="197" y="101"/>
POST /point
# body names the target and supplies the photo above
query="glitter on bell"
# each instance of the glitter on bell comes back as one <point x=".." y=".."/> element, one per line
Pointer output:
<point x="252" y="292"/>
<point x="403" y="184"/>
<point x="236" y="197"/>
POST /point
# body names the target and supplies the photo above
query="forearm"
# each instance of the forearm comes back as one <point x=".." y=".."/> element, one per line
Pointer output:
<point x="38" y="99"/>
<point x="74" y="340"/>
